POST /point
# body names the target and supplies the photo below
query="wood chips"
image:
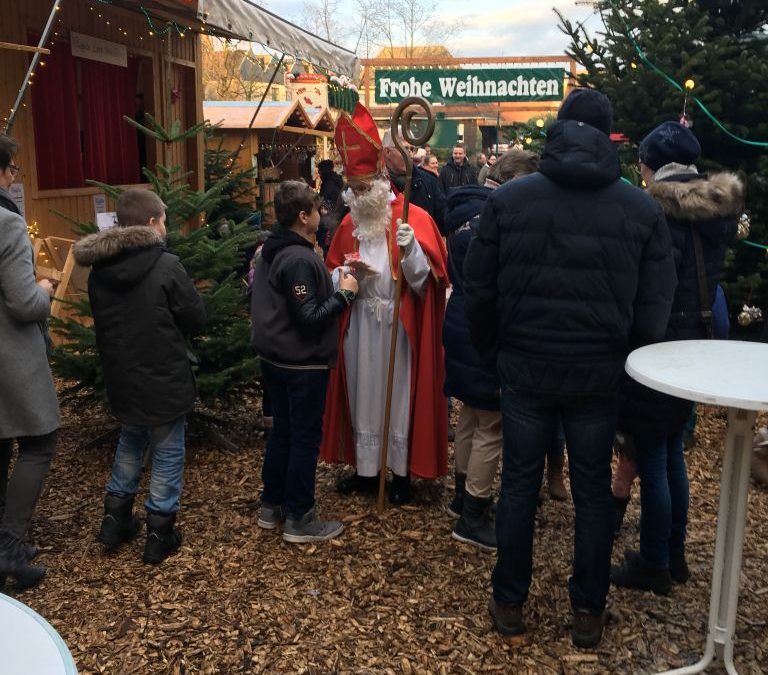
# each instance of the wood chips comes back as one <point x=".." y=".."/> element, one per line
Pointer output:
<point x="394" y="594"/>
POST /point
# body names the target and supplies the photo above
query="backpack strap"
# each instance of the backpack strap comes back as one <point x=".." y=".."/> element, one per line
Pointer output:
<point x="701" y="272"/>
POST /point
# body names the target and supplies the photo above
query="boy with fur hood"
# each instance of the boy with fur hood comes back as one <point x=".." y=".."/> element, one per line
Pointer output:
<point x="144" y="307"/>
<point x="702" y="212"/>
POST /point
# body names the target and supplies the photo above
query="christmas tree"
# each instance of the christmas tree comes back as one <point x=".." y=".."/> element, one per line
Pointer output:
<point x="213" y="254"/>
<point x="717" y="52"/>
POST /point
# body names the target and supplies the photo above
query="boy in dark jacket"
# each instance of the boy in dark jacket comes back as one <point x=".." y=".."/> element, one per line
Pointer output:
<point x="144" y="307"/>
<point x="295" y="313"/>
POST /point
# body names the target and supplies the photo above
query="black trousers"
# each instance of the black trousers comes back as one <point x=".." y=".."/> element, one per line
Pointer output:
<point x="19" y="492"/>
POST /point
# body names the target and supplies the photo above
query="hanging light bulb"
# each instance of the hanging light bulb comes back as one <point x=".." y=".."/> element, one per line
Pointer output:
<point x="689" y="84"/>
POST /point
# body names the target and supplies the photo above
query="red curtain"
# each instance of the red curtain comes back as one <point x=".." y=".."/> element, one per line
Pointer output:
<point x="55" y="119"/>
<point x="110" y="144"/>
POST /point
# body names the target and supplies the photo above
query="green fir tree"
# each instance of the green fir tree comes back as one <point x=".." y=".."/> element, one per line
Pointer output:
<point x="722" y="46"/>
<point x="212" y="252"/>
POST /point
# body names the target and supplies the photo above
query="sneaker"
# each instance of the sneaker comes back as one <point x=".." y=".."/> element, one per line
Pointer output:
<point x="587" y="629"/>
<point x="678" y="568"/>
<point x="507" y="619"/>
<point x="641" y="575"/>
<point x="475" y="526"/>
<point x="309" y="529"/>
<point x="271" y="515"/>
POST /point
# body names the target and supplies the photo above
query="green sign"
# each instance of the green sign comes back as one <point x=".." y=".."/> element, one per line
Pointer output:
<point x="471" y="85"/>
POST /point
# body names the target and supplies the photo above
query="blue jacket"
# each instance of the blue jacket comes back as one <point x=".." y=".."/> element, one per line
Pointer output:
<point x="467" y="378"/>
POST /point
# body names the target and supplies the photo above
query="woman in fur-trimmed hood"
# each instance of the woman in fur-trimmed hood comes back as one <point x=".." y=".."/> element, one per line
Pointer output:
<point x="700" y="206"/>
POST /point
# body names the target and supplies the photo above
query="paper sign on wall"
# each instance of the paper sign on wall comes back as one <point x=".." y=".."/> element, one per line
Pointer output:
<point x="96" y="49"/>
<point x="105" y="221"/>
<point x="99" y="203"/>
<point x="17" y="194"/>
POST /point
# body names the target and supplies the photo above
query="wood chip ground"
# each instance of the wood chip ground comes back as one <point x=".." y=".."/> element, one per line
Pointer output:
<point x="394" y="594"/>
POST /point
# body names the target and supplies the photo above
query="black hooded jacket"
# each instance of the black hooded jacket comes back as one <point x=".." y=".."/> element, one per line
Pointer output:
<point x="712" y="206"/>
<point x="467" y="378"/>
<point x="571" y="268"/>
<point x="144" y="307"/>
<point x="294" y="310"/>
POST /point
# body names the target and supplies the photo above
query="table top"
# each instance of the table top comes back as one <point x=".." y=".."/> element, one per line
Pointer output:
<point x="721" y="372"/>
<point x="29" y="644"/>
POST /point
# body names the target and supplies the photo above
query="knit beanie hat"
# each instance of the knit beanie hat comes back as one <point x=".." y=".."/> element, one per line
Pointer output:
<point x="588" y="106"/>
<point x="669" y="142"/>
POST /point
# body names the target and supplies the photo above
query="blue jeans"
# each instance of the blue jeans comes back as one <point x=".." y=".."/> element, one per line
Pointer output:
<point x="298" y="403"/>
<point x="166" y="444"/>
<point x="663" y="496"/>
<point x="530" y="424"/>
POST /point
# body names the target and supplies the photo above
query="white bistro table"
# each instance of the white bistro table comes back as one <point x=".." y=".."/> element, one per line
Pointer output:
<point x="28" y="643"/>
<point x="732" y="374"/>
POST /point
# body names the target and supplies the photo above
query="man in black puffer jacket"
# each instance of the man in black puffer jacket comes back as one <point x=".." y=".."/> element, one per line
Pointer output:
<point x="700" y="209"/>
<point x="570" y="270"/>
<point x="144" y="307"/>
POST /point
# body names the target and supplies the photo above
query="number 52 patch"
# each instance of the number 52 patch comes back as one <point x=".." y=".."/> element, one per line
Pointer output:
<point x="300" y="291"/>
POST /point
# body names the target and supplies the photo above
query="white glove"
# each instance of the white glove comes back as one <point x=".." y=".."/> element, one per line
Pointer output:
<point x="405" y="236"/>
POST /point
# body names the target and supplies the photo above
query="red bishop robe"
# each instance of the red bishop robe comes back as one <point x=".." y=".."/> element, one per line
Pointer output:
<point x="422" y="320"/>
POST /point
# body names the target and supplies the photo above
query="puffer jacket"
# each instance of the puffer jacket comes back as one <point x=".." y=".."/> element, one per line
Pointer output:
<point x="711" y="205"/>
<point x="467" y="378"/>
<point x="144" y="306"/>
<point x="570" y="270"/>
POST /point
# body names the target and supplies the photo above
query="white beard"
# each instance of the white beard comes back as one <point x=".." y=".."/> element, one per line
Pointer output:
<point x="372" y="211"/>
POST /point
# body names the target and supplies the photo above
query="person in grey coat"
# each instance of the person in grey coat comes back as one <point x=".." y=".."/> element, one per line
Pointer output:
<point x="29" y="411"/>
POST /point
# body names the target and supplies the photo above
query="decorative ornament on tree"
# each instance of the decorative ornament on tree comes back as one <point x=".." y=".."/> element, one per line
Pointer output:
<point x="749" y="314"/>
<point x="742" y="229"/>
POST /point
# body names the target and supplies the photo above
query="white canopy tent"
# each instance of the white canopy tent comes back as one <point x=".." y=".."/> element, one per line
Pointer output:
<point x="248" y="21"/>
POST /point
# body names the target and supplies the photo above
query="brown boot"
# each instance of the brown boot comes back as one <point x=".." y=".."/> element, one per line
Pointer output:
<point x="760" y="465"/>
<point x="507" y="619"/>
<point x="555" y="483"/>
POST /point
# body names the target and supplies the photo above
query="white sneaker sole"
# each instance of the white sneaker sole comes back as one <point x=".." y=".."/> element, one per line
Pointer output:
<point x="465" y="540"/>
<point x="311" y="538"/>
<point x="267" y="524"/>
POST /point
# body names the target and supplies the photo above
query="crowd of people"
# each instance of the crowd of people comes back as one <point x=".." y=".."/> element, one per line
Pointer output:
<point x="557" y="269"/>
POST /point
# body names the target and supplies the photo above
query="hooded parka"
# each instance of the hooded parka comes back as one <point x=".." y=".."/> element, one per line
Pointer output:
<point x="144" y="307"/>
<point x="570" y="270"/>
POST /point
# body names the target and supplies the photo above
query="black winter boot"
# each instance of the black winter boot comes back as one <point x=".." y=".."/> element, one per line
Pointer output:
<point x="357" y="483"/>
<point x="641" y="575"/>
<point x="678" y="568"/>
<point x="400" y="490"/>
<point x="119" y="524"/>
<point x="456" y="505"/>
<point x="162" y="537"/>
<point x="475" y="525"/>
<point x="620" y="503"/>
<point x="14" y="563"/>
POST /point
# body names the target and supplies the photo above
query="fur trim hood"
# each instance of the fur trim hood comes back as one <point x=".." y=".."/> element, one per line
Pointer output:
<point x="699" y="197"/>
<point x="101" y="246"/>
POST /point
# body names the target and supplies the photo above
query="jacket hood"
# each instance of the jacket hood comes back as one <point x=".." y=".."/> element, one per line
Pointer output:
<point x="579" y="155"/>
<point x="697" y="197"/>
<point x="6" y="202"/>
<point x="464" y="203"/>
<point x="120" y="256"/>
<point x="279" y="240"/>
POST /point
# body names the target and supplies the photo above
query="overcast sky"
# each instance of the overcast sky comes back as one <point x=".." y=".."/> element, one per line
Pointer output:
<point x="493" y="27"/>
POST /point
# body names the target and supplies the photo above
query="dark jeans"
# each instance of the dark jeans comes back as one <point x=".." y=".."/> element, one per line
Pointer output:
<point x="298" y="402"/>
<point x="663" y="496"/>
<point x="530" y="423"/>
<point x="19" y="495"/>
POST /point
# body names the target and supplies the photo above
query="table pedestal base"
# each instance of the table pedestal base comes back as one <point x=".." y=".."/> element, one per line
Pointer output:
<point x="731" y="521"/>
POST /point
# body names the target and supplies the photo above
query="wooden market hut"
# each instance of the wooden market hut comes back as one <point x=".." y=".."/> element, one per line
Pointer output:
<point x="108" y="59"/>
<point x="283" y="141"/>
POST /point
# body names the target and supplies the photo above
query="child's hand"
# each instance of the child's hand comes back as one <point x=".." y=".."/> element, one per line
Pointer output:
<point x="348" y="283"/>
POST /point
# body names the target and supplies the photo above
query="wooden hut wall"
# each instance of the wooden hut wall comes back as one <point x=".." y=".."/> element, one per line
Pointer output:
<point x="167" y="78"/>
